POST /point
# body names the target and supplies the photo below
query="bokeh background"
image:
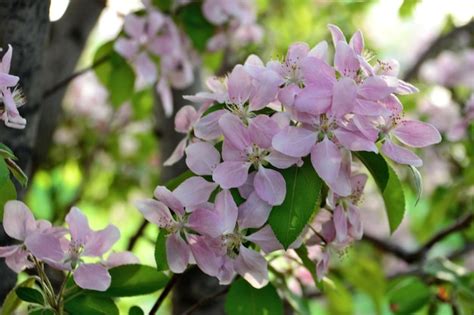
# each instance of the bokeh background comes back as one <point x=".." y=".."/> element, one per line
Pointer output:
<point x="103" y="157"/>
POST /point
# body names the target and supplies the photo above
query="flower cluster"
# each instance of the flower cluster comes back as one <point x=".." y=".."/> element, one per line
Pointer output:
<point x="64" y="249"/>
<point x="155" y="36"/>
<point x="271" y="117"/>
<point x="10" y="95"/>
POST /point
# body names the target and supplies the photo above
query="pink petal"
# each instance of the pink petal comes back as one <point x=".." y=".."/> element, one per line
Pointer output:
<point x="266" y="239"/>
<point x="369" y="108"/>
<point x="281" y="160"/>
<point x="267" y="87"/>
<point x="376" y="88"/>
<point x="296" y="53"/>
<point x="231" y="174"/>
<point x="336" y="34"/>
<point x="295" y="142"/>
<point x="92" y="277"/>
<point x="164" y="90"/>
<point x="320" y="51"/>
<point x="164" y="195"/>
<point x="405" y="88"/>
<point x="270" y="186"/>
<point x="155" y="212"/>
<point x="247" y="188"/>
<point x="355" y="223"/>
<point x="313" y="100"/>
<point x="322" y="266"/>
<point x="262" y="129"/>
<point x="177" y="154"/>
<point x="345" y="60"/>
<point x="145" y="68"/>
<point x="18" y="261"/>
<point x="177" y="253"/>
<point x="6" y="251"/>
<point x="206" y="222"/>
<point x="357" y="42"/>
<point x="344" y="96"/>
<point x="18" y="220"/>
<point x="185" y="119"/>
<point x="214" y="12"/>
<point x="252" y="267"/>
<point x="205" y="257"/>
<point x="202" y="158"/>
<point x="6" y="60"/>
<point x="234" y="131"/>
<point x="416" y="133"/>
<point x="128" y="48"/>
<point x="254" y="212"/>
<point x="120" y="259"/>
<point x="354" y="141"/>
<point x="101" y="241"/>
<point x="226" y="271"/>
<point x="318" y="73"/>
<point x="44" y="246"/>
<point x="326" y="159"/>
<point x="134" y="25"/>
<point x="239" y="85"/>
<point x="207" y="128"/>
<point x="287" y="95"/>
<point x="78" y="225"/>
<point x="227" y="209"/>
<point x="194" y="191"/>
<point x="400" y="155"/>
<point x="340" y="224"/>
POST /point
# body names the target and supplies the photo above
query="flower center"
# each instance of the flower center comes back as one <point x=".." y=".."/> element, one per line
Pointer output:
<point x="232" y="243"/>
<point x="256" y="155"/>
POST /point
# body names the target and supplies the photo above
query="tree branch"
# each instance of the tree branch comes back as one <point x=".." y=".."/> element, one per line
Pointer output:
<point x="134" y="239"/>
<point x="441" y="43"/>
<point x="205" y="300"/>
<point x="420" y="253"/>
<point x="164" y="294"/>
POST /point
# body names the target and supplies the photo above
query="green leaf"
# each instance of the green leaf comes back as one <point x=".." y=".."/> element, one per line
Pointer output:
<point x="12" y="301"/>
<point x="160" y="252"/>
<point x="4" y="172"/>
<point x="30" y="295"/>
<point x="42" y="311"/>
<point x="175" y="182"/>
<point x="17" y="172"/>
<point x="309" y="264"/>
<point x="389" y="185"/>
<point x="135" y="310"/>
<point x="418" y="182"/>
<point x="339" y="298"/>
<point x="407" y="8"/>
<point x="243" y="299"/>
<point x="377" y="166"/>
<point x="133" y="280"/>
<point x="408" y="295"/>
<point x="195" y="25"/>
<point x="163" y="5"/>
<point x="115" y="74"/>
<point x="303" y="188"/>
<point x="91" y="305"/>
<point x="7" y="192"/>
<point x="6" y="152"/>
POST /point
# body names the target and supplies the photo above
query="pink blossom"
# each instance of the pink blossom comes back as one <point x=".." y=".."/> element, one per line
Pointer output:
<point x="11" y="99"/>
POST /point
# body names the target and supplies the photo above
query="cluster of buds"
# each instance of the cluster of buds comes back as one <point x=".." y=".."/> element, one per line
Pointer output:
<point x="263" y="118"/>
<point x="155" y="38"/>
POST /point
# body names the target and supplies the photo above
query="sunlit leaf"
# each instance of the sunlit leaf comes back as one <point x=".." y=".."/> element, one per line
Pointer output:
<point x="160" y="252"/>
<point x="12" y="302"/>
<point x="30" y="295"/>
<point x="408" y="295"/>
<point x="91" y="305"/>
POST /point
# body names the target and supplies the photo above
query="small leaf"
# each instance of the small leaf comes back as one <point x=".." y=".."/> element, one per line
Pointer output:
<point x="407" y="8"/>
<point x="160" y="252"/>
<point x="195" y="25"/>
<point x="163" y="5"/>
<point x="303" y="188"/>
<point x="6" y="152"/>
<point x="389" y="185"/>
<point x="339" y="298"/>
<point x="12" y="301"/>
<point x="135" y="310"/>
<point x="30" y="295"/>
<point x="133" y="280"/>
<point x="175" y="182"/>
<point x="91" y="305"/>
<point x="243" y="299"/>
<point x="418" y="182"/>
<point x="4" y="172"/>
<point x="7" y="192"/>
<point x="309" y="264"/>
<point x="408" y="295"/>
<point x="17" y="172"/>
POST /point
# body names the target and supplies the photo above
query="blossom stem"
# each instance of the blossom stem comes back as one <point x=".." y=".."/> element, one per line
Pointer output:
<point x="164" y="294"/>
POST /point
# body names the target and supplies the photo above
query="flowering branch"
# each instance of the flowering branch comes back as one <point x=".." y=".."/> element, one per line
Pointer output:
<point x="419" y="254"/>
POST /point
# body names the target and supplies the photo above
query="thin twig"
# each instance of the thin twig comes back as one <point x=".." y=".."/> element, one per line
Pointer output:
<point x="420" y="253"/>
<point x="133" y="240"/>
<point x="205" y="301"/>
<point x="61" y="84"/>
<point x="164" y="294"/>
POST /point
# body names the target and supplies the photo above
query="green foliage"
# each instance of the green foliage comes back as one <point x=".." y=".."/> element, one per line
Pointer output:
<point x="132" y="280"/>
<point x="243" y="299"/>
<point x="407" y="8"/>
<point x="389" y="186"/>
<point x="91" y="305"/>
<point x="160" y="252"/>
<point x="115" y="74"/>
<point x="163" y="5"/>
<point x="339" y="298"/>
<point x="30" y="295"/>
<point x="7" y="192"/>
<point x="302" y="253"/>
<point x="195" y="25"/>
<point x="418" y="182"/>
<point x="175" y="182"/>
<point x="407" y="295"/>
<point x="303" y="188"/>
<point x="12" y="301"/>
<point x="142" y="103"/>
<point x="6" y="152"/>
<point x="135" y="310"/>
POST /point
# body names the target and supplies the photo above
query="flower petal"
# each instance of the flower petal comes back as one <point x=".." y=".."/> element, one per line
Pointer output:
<point x="326" y="159"/>
<point x="400" y="155"/>
<point x="194" y="191"/>
<point x="416" y="133"/>
<point x="343" y="97"/>
<point x="185" y="118"/>
<point x="164" y="195"/>
<point x="155" y="212"/>
<point x="270" y="186"/>
<point x="205" y="257"/>
<point x="234" y="131"/>
<point x="78" y="225"/>
<point x="345" y="60"/>
<point x="261" y="130"/>
<point x="101" y="241"/>
<point x="227" y="209"/>
<point x="340" y="224"/>
<point x="266" y="239"/>
<point x="92" y="277"/>
<point x="177" y="253"/>
<point x="293" y="141"/>
<point x="120" y="259"/>
<point x="207" y="128"/>
<point x="202" y="158"/>
<point x="177" y="154"/>
<point x="254" y="212"/>
<point x="252" y="267"/>
<point x="231" y="174"/>
<point x="18" y="220"/>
